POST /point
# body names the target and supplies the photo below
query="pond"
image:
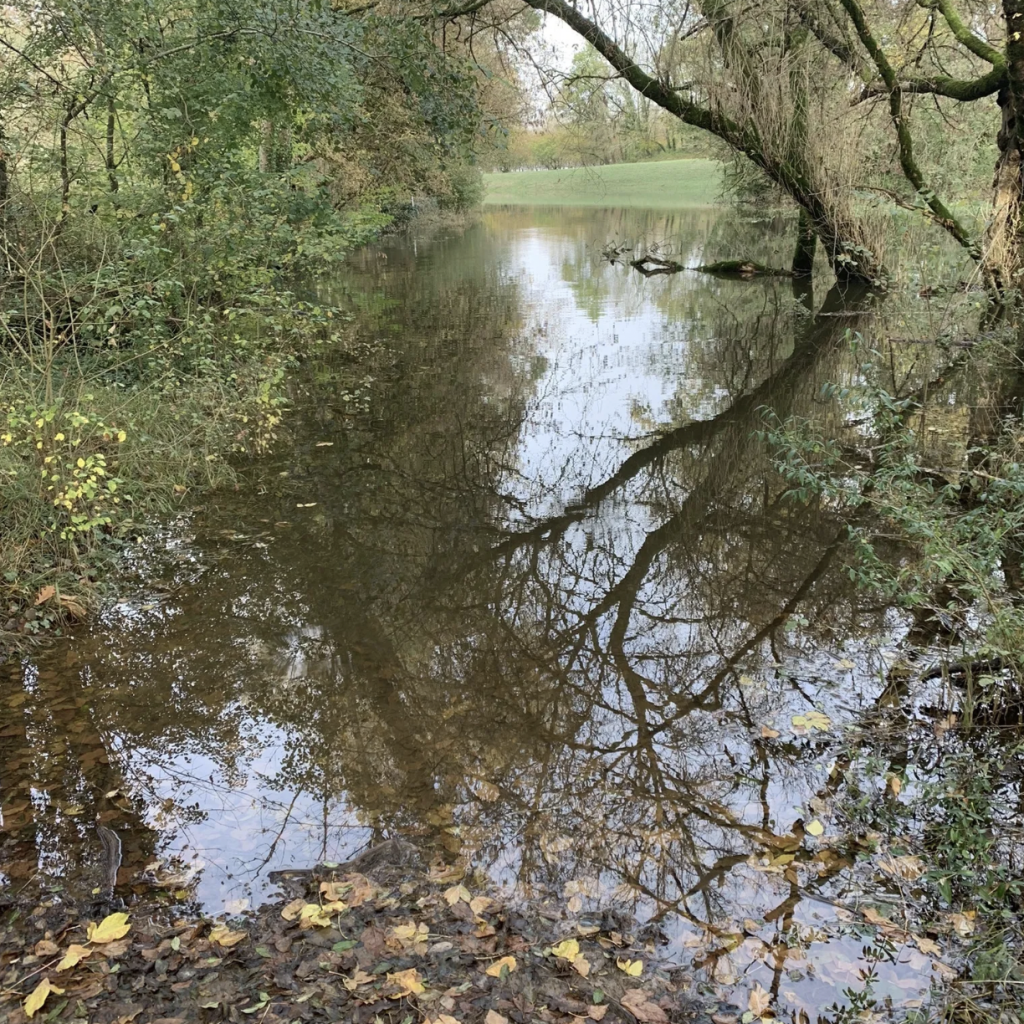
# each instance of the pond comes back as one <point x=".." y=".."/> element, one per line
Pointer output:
<point x="522" y="584"/>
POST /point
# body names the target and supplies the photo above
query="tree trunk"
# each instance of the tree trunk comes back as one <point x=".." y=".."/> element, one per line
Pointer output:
<point x="5" y="198"/>
<point x="806" y="244"/>
<point x="1003" y="238"/>
<point x="842" y="240"/>
<point x="111" y="163"/>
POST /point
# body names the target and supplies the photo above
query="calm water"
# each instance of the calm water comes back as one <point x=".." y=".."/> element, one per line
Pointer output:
<point x="521" y="584"/>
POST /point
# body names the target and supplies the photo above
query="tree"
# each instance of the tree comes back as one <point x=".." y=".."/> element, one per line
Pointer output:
<point x="792" y="87"/>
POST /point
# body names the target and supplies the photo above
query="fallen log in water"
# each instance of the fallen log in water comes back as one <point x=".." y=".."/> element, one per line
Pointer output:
<point x="649" y="265"/>
<point x="742" y="268"/>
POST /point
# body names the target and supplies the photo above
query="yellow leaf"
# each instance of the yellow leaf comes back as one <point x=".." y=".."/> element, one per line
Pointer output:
<point x="568" y="949"/>
<point x="73" y="956"/>
<point x="633" y="968"/>
<point x="38" y="996"/>
<point x="409" y="983"/>
<point x="506" y="962"/>
<point x="581" y="965"/>
<point x="895" y="784"/>
<point x="769" y="734"/>
<point x="224" y="936"/>
<point x="814" y="828"/>
<point x="114" y="926"/>
<point x="480" y="904"/>
<point x="312" y="915"/>
<point x="456" y="893"/>
<point x="927" y="945"/>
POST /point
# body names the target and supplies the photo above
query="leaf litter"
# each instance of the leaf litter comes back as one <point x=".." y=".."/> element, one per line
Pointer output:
<point x="382" y="950"/>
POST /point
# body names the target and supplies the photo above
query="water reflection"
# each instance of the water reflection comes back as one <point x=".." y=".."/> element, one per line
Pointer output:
<point x="541" y="603"/>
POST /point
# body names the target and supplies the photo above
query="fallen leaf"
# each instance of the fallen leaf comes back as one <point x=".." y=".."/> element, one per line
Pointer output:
<point x="409" y="983"/>
<point x="812" y="720"/>
<point x="114" y="926"/>
<point x="443" y="1018"/>
<point x="872" y="916"/>
<point x="581" y="965"/>
<point x="769" y="734"/>
<point x="597" y="1012"/>
<point x="44" y="947"/>
<point x="636" y="1001"/>
<point x="634" y="968"/>
<point x="359" y="978"/>
<point x="73" y="607"/>
<point x="362" y="890"/>
<point x="759" y="1000"/>
<point x="42" y="597"/>
<point x="456" y="893"/>
<point x="313" y="915"/>
<point x="567" y="949"/>
<point x="963" y="924"/>
<point x="333" y="891"/>
<point x="291" y="911"/>
<point x="224" y="936"/>
<point x="586" y="930"/>
<point x="929" y="946"/>
<point x="480" y="904"/>
<point x="403" y="936"/>
<point x="910" y="868"/>
<point x="495" y="1018"/>
<point x="505" y="963"/>
<point x="814" y="828"/>
<point x="75" y="955"/>
<point x="38" y="995"/>
<point x="895" y="784"/>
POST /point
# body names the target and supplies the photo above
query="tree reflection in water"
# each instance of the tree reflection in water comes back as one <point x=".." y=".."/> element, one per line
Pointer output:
<point x="534" y="607"/>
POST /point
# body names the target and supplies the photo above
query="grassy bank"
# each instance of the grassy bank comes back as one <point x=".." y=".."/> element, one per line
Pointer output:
<point x="669" y="184"/>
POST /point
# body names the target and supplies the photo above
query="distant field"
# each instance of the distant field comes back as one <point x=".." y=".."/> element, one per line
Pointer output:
<point x="666" y="184"/>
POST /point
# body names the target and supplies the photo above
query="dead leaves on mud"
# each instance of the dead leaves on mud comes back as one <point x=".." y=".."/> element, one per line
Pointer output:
<point x="424" y="949"/>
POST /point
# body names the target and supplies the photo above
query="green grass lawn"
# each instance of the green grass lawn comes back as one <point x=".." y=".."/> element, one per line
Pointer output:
<point x="661" y="185"/>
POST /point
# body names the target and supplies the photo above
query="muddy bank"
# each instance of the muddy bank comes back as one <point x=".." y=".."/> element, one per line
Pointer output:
<point x="395" y="942"/>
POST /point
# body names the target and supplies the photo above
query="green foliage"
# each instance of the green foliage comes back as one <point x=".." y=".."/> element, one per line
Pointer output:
<point x="168" y="170"/>
<point x="932" y="543"/>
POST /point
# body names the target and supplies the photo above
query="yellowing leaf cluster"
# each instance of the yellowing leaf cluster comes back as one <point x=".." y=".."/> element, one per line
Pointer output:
<point x="634" y="968"/>
<point x="810" y="721"/>
<point x="568" y="949"/>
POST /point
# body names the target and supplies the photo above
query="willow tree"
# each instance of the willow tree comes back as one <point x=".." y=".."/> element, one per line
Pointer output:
<point x="811" y="91"/>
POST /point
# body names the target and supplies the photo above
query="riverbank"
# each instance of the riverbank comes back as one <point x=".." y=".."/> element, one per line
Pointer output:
<point x="394" y="941"/>
<point x="662" y="185"/>
<point x="101" y="445"/>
